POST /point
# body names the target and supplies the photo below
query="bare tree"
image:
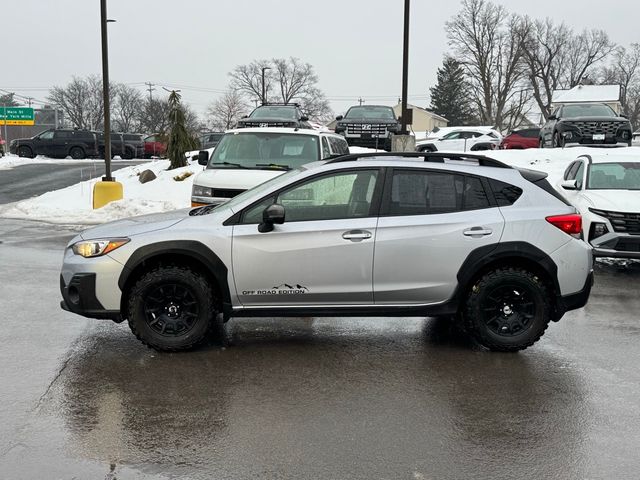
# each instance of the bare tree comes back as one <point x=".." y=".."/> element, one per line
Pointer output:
<point x="8" y="99"/>
<point x="225" y="112"/>
<point x="154" y="116"/>
<point x="127" y="106"/>
<point x="584" y="51"/>
<point x="487" y="41"/>
<point x="81" y="102"/>
<point x="624" y="70"/>
<point x="287" y="80"/>
<point x="248" y="79"/>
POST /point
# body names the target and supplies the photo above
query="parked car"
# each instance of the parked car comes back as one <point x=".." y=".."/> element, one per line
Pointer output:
<point x="1" y="146"/>
<point x="462" y="139"/>
<point x="635" y="140"/>
<point x="369" y="126"/>
<point x="275" y="115"/>
<point x="154" y="146"/>
<point x="247" y="157"/>
<point x="606" y="191"/>
<point x="118" y="147"/>
<point x="594" y="124"/>
<point x="134" y="145"/>
<point x="57" y="143"/>
<point x="210" y="140"/>
<point x="520" y="139"/>
<point x="369" y="235"/>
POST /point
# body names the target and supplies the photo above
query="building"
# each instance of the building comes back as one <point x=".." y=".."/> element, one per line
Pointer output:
<point x="609" y="94"/>
<point x="423" y="119"/>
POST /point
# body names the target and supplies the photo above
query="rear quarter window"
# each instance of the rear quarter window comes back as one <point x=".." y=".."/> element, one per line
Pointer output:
<point x="504" y="193"/>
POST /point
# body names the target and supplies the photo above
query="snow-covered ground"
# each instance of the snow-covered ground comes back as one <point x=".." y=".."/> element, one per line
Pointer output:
<point x="73" y="205"/>
<point x="11" y="161"/>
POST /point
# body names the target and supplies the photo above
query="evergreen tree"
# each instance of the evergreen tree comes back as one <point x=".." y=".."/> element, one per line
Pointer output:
<point x="450" y="97"/>
<point x="180" y="140"/>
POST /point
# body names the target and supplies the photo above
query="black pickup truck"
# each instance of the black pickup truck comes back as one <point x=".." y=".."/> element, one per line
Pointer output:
<point x="593" y="124"/>
<point x="368" y="126"/>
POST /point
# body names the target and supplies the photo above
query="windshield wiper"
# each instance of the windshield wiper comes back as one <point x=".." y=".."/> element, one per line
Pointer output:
<point x="229" y="163"/>
<point x="273" y="165"/>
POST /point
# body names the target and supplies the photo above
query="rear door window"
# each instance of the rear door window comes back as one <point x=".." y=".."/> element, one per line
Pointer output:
<point x="425" y="192"/>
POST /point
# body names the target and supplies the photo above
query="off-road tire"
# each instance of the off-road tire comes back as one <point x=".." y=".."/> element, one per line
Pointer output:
<point x="165" y="278"/>
<point x="478" y="310"/>
<point x="77" y="153"/>
<point x="25" y="152"/>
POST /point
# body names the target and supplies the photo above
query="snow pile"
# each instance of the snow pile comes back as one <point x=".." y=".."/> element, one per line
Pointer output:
<point x="73" y="205"/>
<point x="10" y="161"/>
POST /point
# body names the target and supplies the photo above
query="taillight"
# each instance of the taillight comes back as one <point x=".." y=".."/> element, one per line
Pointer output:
<point x="569" y="224"/>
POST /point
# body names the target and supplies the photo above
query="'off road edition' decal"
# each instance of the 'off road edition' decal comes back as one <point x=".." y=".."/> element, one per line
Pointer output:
<point x="282" y="289"/>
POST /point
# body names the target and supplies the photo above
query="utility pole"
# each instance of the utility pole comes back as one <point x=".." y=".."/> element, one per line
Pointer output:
<point x="360" y="101"/>
<point x="6" y="138"/>
<point x="105" y="90"/>
<point x="264" y="90"/>
<point x="405" y="68"/>
<point x="150" y="89"/>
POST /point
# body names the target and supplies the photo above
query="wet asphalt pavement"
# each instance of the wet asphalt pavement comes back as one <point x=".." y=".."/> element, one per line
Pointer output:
<point x="310" y="398"/>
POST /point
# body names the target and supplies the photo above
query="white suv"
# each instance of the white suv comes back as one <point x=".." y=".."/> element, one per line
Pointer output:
<point x="462" y="139"/>
<point x="247" y="157"/>
<point x="381" y="235"/>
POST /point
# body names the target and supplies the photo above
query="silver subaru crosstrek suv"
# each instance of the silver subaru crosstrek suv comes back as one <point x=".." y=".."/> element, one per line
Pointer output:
<point x="495" y="248"/>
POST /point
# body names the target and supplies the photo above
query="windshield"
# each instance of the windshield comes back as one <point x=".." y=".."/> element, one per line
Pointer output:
<point x="370" y="112"/>
<point x="614" y="176"/>
<point x="264" y="150"/>
<point x="274" y="112"/>
<point x="587" y="110"/>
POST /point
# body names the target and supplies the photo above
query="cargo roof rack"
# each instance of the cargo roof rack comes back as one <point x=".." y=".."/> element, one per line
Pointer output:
<point x="435" y="157"/>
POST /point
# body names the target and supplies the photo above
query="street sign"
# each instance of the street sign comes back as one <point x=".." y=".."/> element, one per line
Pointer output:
<point x="16" y="116"/>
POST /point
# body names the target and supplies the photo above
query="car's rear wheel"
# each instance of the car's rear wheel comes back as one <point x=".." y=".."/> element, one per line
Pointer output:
<point x="171" y="308"/>
<point x="25" y="152"/>
<point x="77" y="153"/>
<point x="507" y="309"/>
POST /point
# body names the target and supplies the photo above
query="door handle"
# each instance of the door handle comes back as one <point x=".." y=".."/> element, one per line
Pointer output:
<point x="356" y="235"/>
<point x="477" y="232"/>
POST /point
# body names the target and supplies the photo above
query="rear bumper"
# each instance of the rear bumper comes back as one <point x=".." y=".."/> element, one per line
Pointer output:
<point x="575" y="300"/>
<point x="79" y="297"/>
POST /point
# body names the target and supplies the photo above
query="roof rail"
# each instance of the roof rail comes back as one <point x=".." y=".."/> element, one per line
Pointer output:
<point x="435" y="157"/>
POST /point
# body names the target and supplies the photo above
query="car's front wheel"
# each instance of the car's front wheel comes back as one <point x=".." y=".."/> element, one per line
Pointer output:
<point x="25" y="152"/>
<point x="507" y="309"/>
<point x="171" y="308"/>
<point x="77" y="153"/>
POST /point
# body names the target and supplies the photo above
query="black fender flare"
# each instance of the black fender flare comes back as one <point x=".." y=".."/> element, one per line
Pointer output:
<point x="195" y="250"/>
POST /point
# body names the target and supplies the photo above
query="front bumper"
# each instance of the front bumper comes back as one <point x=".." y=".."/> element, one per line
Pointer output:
<point x="617" y="245"/>
<point x="79" y="297"/>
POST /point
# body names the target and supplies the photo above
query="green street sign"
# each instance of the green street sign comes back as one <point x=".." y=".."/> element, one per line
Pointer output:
<point x="16" y="116"/>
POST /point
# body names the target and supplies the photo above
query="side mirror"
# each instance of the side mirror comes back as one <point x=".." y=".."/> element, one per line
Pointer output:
<point x="272" y="215"/>
<point x="203" y="157"/>
<point x="304" y="119"/>
<point x="339" y="117"/>
<point x="622" y="115"/>
<point x="569" y="185"/>
<point x="553" y="117"/>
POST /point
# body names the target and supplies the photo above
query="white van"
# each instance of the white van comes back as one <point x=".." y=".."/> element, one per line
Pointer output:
<point x="247" y="157"/>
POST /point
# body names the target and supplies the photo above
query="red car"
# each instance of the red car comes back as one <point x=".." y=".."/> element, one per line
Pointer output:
<point x="153" y="147"/>
<point x="1" y="146"/>
<point x="526" y="138"/>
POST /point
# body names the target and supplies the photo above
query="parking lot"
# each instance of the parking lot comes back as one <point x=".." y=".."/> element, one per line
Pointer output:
<point x="308" y="397"/>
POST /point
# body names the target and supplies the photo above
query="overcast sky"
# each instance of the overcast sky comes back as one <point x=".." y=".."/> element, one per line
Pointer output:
<point x="354" y="45"/>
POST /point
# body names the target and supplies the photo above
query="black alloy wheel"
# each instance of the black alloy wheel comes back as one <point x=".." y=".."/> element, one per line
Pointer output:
<point x="77" y="153"/>
<point x="172" y="308"/>
<point x="25" y="152"/>
<point x="507" y="309"/>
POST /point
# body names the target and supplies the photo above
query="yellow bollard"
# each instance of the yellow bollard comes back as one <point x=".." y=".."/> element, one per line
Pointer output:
<point x="105" y="192"/>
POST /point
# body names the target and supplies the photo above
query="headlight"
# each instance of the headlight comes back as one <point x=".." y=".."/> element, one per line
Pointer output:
<point x="199" y="191"/>
<point x="96" y="248"/>
<point x="393" y="127"/>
